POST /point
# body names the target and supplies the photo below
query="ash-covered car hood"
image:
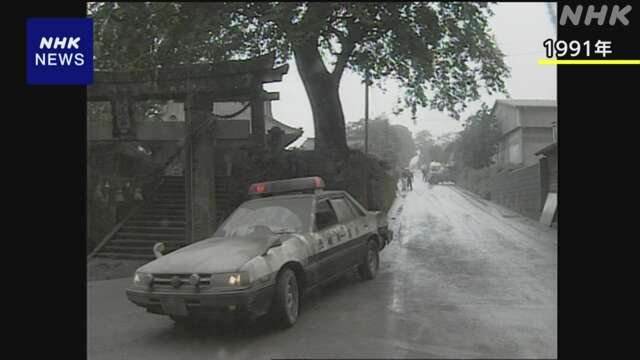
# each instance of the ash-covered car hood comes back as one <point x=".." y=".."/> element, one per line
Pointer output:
<point x="213" y="255"/>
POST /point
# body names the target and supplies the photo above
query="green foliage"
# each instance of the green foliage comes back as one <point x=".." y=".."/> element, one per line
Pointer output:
<point x="350" y="174"/>
<point x="424" y="141"/>
<point x="478" y="141"/>
<point x="438" y="150"/>
<point x="407" y="146"/>
<point x="441" y="53"/>
<point x="145" y="35"/>
<point x="439" y="154"/>
<point x="391" y="143"/>
<point x="117" y="162"/>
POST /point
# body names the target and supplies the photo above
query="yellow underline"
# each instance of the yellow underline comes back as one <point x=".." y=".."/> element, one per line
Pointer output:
<point x="587" y="62"/>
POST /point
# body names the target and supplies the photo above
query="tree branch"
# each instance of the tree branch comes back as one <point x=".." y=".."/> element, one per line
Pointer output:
<point x="341" y="36"/>
<point x="316" y="17"/>
<point x="348" y="42"/>
<point x="343" y="59"/>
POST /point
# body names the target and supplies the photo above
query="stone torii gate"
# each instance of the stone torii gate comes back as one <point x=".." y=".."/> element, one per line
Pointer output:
<point x="198" y="86"/>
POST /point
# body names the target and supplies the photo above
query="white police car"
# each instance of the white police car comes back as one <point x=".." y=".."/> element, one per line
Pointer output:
<point x="291" y="237"/>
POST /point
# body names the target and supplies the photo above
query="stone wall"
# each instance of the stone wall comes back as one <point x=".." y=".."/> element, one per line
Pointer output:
<point x="518" y="189"/>
<point x="552" y="161"/>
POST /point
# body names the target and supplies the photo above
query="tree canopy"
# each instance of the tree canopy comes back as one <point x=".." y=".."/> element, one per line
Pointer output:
<point x="440" y="53"/>
<point x="391" y="143"/>
<point x="424" y="142"/>
<point x="477" y="143"/>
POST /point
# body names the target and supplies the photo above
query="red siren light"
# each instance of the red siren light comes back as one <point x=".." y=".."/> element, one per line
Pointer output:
<point x="296" y="185"/>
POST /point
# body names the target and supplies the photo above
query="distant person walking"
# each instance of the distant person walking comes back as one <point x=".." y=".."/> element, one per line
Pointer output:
<point x="408" y="176"/>
<point x="403" y="182"/>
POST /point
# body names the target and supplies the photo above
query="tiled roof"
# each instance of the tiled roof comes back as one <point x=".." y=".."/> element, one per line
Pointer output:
<point x="532" y="103"/>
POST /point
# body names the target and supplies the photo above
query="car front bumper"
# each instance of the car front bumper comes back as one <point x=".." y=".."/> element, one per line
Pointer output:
<point x="255" y="301"/>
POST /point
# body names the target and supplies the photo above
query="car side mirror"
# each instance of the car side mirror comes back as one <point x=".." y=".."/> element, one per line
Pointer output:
<point x="158" y="248"/>
<point x="275" y="243"/>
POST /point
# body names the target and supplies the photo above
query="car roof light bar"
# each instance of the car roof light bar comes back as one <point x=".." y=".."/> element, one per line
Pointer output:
<point x="312" y="183"/>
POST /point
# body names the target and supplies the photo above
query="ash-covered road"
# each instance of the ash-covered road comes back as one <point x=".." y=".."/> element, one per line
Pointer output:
<point x="463" y="278"/>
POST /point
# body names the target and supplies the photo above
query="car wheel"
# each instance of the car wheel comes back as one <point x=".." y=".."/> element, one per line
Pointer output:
<point x="369" y="268"/>
<point x="286" y="303"/>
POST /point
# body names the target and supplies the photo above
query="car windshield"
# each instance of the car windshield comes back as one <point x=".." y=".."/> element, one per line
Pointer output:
<point x="266" y="217"/>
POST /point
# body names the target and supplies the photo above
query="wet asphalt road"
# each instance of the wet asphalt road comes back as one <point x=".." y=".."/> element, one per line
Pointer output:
<point x="463" y="278"/>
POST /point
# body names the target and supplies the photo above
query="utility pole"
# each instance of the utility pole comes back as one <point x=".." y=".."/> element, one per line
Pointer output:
<point x="367" y="190"/>
<point x="366" y="113"/>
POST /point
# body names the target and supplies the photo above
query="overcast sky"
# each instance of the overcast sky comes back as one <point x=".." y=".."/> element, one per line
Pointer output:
<point x="519" y="28"/>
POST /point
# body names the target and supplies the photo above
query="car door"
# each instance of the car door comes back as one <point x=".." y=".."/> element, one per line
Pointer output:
<point x="327" y="228"/>
<point x="362" y="225"/>
<point x="349" y="237"/>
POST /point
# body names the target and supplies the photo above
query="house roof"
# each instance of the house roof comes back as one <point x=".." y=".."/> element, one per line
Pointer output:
<point x="510" y="105"/>
<point x="271" y="122"/>
<point x="527" y="103"/>
<point x="548" y="149"/>
<point x="309" y="144"/>
<point x="291" y="134"/>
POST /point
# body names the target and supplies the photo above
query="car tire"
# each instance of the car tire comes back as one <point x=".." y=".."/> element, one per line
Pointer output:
<point x="286" y="302"/>
<point x="369" y="267"/>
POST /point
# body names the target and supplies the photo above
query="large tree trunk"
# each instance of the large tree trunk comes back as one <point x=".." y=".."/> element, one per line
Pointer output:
<point x="322" y="91"/>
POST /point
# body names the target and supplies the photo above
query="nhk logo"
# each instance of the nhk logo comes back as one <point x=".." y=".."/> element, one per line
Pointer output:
<point x="62" y="59"/>
<point x="59" y="51"/>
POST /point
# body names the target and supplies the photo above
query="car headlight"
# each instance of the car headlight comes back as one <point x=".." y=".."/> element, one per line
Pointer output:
<point x="141" y="278"/>
<point x="237" y="279"/>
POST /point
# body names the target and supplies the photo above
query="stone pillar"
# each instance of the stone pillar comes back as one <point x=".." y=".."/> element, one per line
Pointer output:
<point x="257" y="120"/>
<point x="123" y="115"/>
<point x="199" y="169"/>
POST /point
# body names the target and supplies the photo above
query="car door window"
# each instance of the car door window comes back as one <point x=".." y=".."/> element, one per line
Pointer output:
<point x="344" y="212"/>
<point x="325" y="215"/>
<point x="355" y="208"/>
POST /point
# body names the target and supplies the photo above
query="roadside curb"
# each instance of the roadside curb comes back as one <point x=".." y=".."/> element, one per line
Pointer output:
<point x="504" y="212"/>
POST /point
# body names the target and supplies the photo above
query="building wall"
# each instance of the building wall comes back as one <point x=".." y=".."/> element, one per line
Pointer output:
<point x="538" y="116"/>
<point x="510" y="148"/>
<point x="533" y="131"/>
<point x="507" y="117"/>
<point x="518" y="190"/>
<point x="535" y="139"/>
